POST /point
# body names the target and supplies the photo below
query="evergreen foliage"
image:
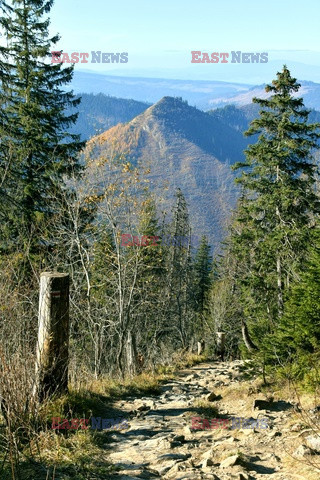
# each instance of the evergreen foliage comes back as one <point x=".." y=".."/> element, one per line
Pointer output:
<point x="36" y="148"/>
<point x="277" y="208"/>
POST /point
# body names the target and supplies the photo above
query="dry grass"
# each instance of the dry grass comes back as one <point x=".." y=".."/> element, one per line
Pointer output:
<point x="47" y="454"/>
<point x="204" y="408"/>
<point x="143" y="384"/>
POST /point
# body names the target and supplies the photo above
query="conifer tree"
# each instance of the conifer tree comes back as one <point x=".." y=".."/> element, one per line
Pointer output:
<point x="151" y="279"/>
<point x="151" y="253"/>
<point x="201" y="279"/>
<point x="278" y="197"/>
<point x="180" y="269"/>
<point x="202" y="274"/>
<point x="36" y="149"/>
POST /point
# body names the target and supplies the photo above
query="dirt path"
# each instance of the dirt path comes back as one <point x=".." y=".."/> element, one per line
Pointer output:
<point x="160" y="442"/>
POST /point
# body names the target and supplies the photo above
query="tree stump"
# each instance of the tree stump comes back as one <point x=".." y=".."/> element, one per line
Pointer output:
<point x="53" y="335"/>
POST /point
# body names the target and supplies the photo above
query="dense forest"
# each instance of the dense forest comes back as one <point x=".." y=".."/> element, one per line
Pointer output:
<point x="97" y="113"/>
<point x="134" y="306"/>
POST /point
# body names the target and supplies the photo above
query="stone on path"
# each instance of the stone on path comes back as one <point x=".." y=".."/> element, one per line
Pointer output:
<point x="207" y="463"/>
<point x="302" y="451"/>
<point x="230" y="461"/>
<point x="261" y="404"/>
<point x="213" y="397"/>
<point x="313" y="442"/>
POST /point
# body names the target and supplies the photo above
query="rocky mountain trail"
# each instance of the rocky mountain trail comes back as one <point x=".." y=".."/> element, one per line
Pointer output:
<point x="161" y="441"/>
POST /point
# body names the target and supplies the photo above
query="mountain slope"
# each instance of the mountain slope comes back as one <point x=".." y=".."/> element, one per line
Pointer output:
<point x="191" y="149"/>
<point x="187" y="148"/>
<point x="239" y="118"/>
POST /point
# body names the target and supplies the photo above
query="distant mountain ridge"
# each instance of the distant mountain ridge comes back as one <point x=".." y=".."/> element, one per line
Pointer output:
<point x="239" y="118"/>
<point x="310" y="92"/>
<point x="204" y="94"/>
<point x="151" y="90"/>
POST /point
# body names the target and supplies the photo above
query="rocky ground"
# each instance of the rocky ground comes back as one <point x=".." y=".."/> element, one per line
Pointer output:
<point x="160" y="441"/>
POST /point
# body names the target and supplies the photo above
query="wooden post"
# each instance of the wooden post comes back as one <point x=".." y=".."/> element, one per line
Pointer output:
<point x="221" y="339"/>
<point x="53" y="335"/>
<point x="200" y="346"/>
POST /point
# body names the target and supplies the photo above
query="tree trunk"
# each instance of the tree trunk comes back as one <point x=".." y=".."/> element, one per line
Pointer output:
<point x="131" y="354"/>
<point x="279" y="287"/>
<point x="279" y="273"/>
<point x="246" y="338"/>
<point x="221" y="340"/>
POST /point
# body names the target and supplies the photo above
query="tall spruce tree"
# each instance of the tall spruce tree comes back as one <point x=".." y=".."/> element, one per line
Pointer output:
<point x="202" y="274"/>
<point x="273" y="218"/>
<point x="151" y="280"/>
<point x="180" y="270"/>
<point x="36" y="150"/>
<point x="202" y="280"/>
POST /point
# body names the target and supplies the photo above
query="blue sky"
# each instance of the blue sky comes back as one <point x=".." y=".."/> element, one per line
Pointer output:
<point x="159" y="36"/>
